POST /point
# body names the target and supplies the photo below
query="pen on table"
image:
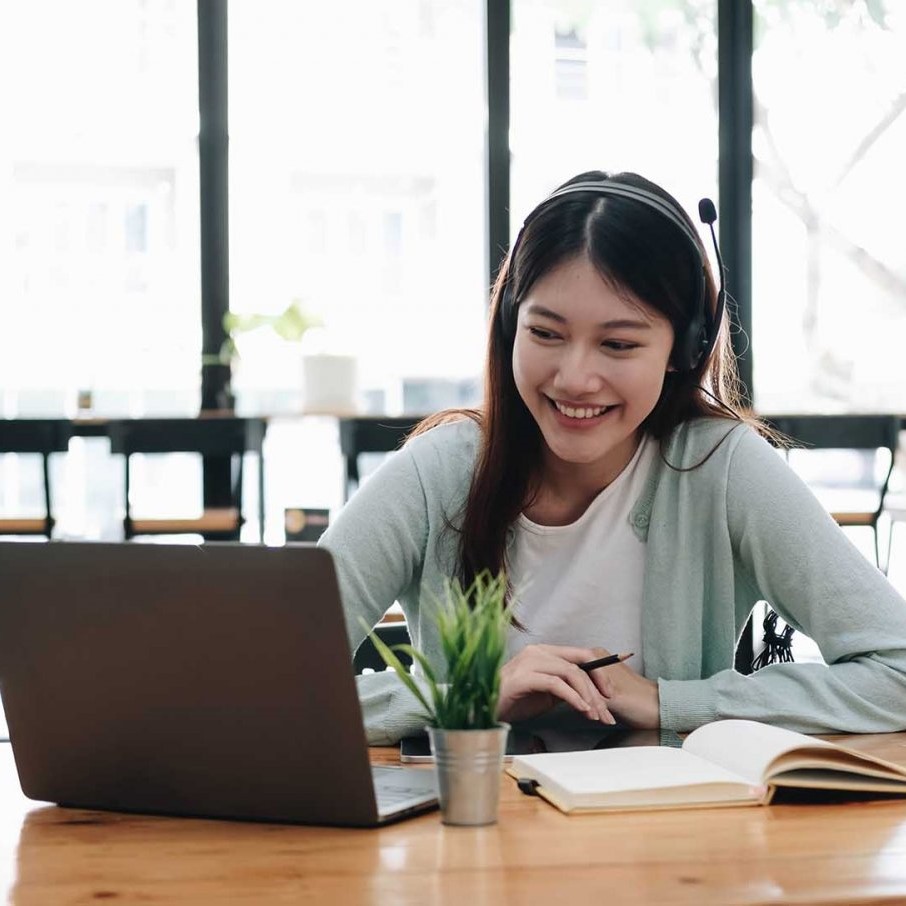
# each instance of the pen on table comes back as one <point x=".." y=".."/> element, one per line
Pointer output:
<point x="605" y="661"/>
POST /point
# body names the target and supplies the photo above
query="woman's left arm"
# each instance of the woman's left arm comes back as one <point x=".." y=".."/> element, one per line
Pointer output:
<point x="816" y="580"/>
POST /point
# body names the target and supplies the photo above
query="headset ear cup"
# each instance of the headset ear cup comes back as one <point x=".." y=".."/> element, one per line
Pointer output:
<point x="691" y="349"/>
<point x="695" y="341"/>
<point x="698" y="342"/>
<point x="686" y="346"/>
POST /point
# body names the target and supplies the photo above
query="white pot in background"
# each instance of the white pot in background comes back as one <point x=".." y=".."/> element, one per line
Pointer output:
<point x="329" y="383"/>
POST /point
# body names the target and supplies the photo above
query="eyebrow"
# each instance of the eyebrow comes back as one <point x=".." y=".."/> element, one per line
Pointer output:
<point x="535" y="309"/>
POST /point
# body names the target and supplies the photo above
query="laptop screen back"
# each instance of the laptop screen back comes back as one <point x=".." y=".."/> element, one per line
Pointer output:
<point x="209" y="680"/>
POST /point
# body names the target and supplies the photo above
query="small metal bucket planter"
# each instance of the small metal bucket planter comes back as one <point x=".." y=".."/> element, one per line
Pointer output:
<point x="469" y="766"/>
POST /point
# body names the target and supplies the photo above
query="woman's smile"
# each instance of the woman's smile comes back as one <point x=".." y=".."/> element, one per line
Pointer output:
<point x="579" y="416"/>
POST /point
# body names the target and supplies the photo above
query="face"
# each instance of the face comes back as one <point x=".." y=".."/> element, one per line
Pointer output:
<point x="589" y="364"/>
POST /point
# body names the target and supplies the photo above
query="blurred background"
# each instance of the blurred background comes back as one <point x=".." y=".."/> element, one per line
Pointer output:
<point x="360" y="190"/>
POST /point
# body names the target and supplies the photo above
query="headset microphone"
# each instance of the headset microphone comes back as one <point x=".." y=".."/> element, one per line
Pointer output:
<point x="708" y="215"/>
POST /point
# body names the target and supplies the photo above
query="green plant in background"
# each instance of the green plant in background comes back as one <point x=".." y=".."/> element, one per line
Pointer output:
<point x="290" y="325"/>
<point x="472" y="625"/>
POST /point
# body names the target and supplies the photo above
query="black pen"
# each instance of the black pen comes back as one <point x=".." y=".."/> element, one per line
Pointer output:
<point x="605" y="661"/>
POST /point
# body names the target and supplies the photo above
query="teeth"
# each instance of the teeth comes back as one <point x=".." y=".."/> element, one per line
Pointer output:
<point x="582" y="412"/>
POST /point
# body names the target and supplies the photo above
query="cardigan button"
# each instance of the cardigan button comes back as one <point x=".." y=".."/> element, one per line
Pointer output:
<point x="640" y="520"/>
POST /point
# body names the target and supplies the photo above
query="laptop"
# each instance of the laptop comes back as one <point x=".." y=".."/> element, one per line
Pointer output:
<point x="212" y="681"/>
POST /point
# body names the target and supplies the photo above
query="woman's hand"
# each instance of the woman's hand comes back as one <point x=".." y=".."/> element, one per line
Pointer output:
<point x="631" y="697"/>
<point x="540" y="676"/>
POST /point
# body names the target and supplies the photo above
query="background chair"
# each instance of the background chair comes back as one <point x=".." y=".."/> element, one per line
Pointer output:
<point x="375" y="434"/>
<point x="39" y="437"/>
<point x="847" y="460"/>
<point x="213" y="437"/>
<point x="894" y="512"/>
<point x="391" y="633"/>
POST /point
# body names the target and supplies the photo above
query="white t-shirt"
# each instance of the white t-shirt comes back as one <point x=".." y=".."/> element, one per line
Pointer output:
<point x="581" y="584"/>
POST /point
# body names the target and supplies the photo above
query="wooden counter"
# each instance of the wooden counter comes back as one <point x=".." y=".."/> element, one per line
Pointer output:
<point x="851" y="852"/>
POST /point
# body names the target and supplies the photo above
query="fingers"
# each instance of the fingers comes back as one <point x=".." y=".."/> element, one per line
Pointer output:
<point x="554" y="671"/>
<point x="600" y="678"/>
<point x="603" y="681"/>
<point x="577" y="691"/>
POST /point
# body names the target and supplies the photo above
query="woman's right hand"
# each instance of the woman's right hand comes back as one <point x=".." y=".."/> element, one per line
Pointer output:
<point x="540" y="676"/>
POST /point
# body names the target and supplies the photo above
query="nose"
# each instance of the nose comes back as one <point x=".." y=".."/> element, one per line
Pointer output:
<point x="579" y="373"/>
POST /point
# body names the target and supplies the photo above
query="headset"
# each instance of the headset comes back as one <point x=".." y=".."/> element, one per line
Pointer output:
<point x="695" y="343"/>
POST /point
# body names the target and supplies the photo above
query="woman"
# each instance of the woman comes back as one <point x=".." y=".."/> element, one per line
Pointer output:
<point x="611" y="473"/>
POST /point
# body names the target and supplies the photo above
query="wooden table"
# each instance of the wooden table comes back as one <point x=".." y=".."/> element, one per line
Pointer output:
<point x="839" y="853"/>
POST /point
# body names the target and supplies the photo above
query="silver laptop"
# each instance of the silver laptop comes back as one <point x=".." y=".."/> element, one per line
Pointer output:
<point x="213" y="681"/>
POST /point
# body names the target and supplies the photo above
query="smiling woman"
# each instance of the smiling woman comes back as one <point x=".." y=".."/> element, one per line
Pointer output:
<point x="612" y="476"/>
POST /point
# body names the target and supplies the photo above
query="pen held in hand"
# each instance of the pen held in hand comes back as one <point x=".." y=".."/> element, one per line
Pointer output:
<point x="605" y="661"/>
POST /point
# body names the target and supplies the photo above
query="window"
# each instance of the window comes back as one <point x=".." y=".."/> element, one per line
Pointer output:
<point x="829" y="288"/>
<point x="362" y="123"/>
<point x="99" y="220"/>
<point x="606" y="86"/>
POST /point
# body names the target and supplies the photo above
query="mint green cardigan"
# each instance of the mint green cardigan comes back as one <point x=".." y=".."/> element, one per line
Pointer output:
<point x="738" y="529"/>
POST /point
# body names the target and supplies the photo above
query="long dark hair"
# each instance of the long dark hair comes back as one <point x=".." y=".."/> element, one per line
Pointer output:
<point x="633" y="247"/>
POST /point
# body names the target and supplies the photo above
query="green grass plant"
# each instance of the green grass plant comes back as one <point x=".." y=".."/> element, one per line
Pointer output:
<point x="472" y="625"/>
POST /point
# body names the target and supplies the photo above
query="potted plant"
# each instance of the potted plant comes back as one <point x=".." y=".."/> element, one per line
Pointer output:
<point x="328" y="379"/>
<point x="291" y="325"/>
<point x="467" y="739"/>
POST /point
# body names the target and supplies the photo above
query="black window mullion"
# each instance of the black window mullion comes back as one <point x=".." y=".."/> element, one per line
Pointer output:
<point x="213" y="139"/>
<point x="734" y="67"/>
<point x="497" y="75"/>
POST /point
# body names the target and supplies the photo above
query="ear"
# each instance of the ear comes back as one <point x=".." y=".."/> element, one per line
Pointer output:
<point x="672" y="368"/>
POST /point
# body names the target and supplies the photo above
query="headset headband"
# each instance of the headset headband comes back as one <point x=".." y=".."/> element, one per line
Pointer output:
<point x="696" y="343"/>
<point x="609" y="187"/>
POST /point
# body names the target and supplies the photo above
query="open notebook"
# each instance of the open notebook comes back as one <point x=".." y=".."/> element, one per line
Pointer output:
<point x="728" y="762"/>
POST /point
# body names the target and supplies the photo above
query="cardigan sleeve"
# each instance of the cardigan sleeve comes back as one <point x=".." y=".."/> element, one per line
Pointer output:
<point x="800" y="561"/>
<point x="378" y="544"/>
